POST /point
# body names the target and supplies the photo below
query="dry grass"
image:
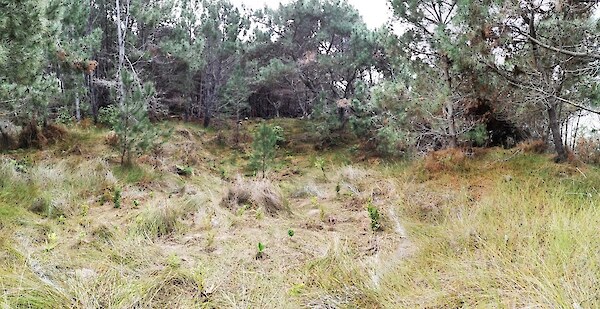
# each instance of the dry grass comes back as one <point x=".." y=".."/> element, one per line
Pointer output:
<point x="163" y="218"/>
<point x="255" y="193"/>
<point x="523" y="243"/>
<point x="472" y="232"/>
<point x="535" y="146"/>
<point x="450" y="159"/>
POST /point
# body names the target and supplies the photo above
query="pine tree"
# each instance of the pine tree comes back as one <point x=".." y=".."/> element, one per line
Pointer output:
<point x="74" y="60"/>
<point x="264" y="147"/>
<point x="235" y="96"/>
<point x="27" y="32"/>
<point x="133" y="128"/>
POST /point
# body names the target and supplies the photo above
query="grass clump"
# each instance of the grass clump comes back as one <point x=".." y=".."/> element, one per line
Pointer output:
<point x="176" y="288"/>
<point x="117" y="198"/>
<point x="162" y="220"/>
<point x="337" y="281"/>
<point x="257" y="193"/>
<point x="535" y="146"/>
<point x="132" y="174"/>
<point x="184" y="170"/>
<point x="27" y="291"/>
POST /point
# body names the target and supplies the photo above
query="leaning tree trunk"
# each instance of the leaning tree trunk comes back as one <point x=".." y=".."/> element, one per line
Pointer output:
<point x="554" y="123"/>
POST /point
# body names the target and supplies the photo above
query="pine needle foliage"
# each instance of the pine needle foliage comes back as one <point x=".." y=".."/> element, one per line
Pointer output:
<point x="135" y="132"/>
<point x="264" y="147"/>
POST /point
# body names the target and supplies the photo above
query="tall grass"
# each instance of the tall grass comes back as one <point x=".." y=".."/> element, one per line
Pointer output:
<point x="531" y="241"/>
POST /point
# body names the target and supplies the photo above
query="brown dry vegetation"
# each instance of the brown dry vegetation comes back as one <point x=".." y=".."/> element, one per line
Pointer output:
<point x="496" y="229"/>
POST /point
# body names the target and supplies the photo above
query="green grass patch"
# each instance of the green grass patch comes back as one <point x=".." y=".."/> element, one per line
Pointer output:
<point x="132" y="174"/>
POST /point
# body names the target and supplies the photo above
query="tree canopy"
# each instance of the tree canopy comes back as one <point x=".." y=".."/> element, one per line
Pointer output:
<point x="452" y="73"/>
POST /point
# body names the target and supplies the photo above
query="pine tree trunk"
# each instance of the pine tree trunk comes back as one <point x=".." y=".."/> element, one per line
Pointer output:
<point x="451" y="122"/>
<point x="453" y="141"/>
<point x="121" y="47"/>
<point x="77" y="108"/>
<point x="206" y="120"/>
<point x="554" y="124"/>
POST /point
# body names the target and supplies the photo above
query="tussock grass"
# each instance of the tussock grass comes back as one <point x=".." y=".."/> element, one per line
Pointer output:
<point x="16" y="190"/>
<point x="167" y="288"/>
<point x="22" y="289"/>
<point x="307" y="190"/>
<point x="353" y="174"/>
<point x="257" y="193"/>
<point x="52" y="189"/>
<point x="176" y="289"/>
<point x="338" y="281"/>
<point x="132" y="174"/>
<point x="163" y="218"/>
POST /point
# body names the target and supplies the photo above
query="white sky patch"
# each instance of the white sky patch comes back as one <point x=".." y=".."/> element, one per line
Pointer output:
<point x="375" y="13"/>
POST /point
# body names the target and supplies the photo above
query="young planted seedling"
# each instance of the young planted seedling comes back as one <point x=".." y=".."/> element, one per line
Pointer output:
<point x="261" y="249"/>
<point x="374" y="216"/>
<point x="320" y="164"/>
<point x="117" y="198"/>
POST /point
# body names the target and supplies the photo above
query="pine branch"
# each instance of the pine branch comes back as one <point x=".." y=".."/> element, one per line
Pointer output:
<point x="519" y="84"/>
<point x="560" y="50"/>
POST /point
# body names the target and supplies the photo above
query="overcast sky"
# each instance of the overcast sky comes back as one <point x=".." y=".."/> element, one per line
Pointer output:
<point x="374" y="12"/>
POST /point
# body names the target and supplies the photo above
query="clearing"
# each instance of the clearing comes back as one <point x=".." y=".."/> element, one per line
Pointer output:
<point x="336" y="228"/>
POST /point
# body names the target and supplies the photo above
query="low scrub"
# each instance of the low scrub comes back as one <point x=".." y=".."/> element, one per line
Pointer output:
<point x="536" y="146"/>
<point x="256" y="194"/>
<point x="588" y="150"/>
<point x="445" y="160"/>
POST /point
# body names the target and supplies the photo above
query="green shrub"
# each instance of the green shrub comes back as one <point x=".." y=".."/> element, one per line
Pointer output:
<point x="108" y="115"/>
<point x="478" y="136"/>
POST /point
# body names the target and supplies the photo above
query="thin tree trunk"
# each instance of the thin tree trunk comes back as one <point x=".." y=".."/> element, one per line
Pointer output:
<point x="206" y="120"/>
<point x="121" y="47"/>
<point x="556" y="134"/>
<point x="77" y="108"/>
<point x="574" y="141"/>
<point x="453" y="138"/>
<point x="92" y="94"/>
<point x="451" y="125"/>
